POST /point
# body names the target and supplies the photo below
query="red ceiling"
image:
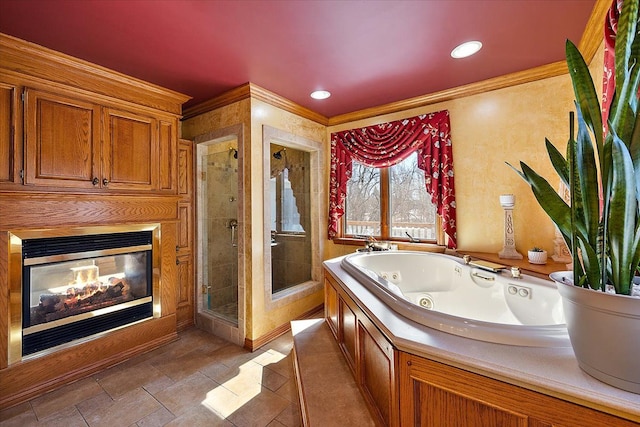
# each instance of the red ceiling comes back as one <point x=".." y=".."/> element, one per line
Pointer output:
<point x="367" y="53"/>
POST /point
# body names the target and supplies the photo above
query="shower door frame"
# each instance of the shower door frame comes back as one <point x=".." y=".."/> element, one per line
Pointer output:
<point x="206" y="319"/>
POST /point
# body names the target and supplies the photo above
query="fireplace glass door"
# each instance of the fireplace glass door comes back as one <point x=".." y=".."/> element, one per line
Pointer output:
<point x="77" y="286"/>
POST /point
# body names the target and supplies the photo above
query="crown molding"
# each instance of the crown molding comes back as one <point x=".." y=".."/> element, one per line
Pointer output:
<point x="31" y="61"/>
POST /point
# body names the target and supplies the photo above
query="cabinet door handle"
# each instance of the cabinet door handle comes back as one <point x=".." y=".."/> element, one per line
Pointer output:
<point x="105" y="182"/>
<point x="95" y="181"/>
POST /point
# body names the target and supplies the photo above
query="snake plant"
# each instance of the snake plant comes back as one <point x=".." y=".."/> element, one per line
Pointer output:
<point x="601" y="224"/>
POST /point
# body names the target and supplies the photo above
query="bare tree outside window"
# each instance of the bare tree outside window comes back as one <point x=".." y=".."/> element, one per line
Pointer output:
<point x="363" y="201"/>
<point x="411" y="210"/>
<point x="409" y="206"/>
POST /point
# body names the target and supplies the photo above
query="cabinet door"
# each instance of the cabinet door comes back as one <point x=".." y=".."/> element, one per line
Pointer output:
<point x="62" y="141"/>
<point x="184" y="309"/>
<point x="347" y="332"/>
<point x="8" y="126"/>
<point x="185" y="169"/>
<point x="376" y="362"/>
<point x="167" y="154"/>
<point x="130" y="151"/>
<point x="331" y="306"/>
<point x="185" y="227"/>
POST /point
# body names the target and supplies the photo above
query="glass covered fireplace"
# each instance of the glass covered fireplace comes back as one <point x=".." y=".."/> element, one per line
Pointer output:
<point x="76" y="286"/>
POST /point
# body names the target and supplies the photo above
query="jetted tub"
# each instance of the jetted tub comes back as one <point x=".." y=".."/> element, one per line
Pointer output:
<point x="442" y="292"/>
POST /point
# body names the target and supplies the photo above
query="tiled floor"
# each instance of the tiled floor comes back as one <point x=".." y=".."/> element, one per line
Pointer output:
<point x="199" y="380"/>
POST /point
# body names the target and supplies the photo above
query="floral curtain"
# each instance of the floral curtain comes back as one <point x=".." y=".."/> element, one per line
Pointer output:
<point x="608" y="76"/>
<point x="389" y="143"/>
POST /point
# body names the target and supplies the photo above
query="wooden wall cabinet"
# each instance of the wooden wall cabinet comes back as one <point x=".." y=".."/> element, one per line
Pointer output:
<point x="74" y="142"/>
<point x="185" y="243"/>
<point x="62" y="141"/>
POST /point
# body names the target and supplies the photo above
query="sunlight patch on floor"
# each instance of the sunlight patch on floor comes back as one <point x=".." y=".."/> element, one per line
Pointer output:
<point x="234" y="393"/>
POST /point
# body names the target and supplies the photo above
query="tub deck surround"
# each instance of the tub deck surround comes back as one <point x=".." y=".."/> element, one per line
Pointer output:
<point x="541" y="271"/>
<point x="552" y="371"/>
<point x="441" y="292"/>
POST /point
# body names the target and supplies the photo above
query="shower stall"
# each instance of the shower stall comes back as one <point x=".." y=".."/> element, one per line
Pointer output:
<point x="217" y="223"/>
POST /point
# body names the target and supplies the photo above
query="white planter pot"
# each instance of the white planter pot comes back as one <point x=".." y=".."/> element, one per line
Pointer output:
<point x="537" y="257"/>
<point x="604" y="330"/>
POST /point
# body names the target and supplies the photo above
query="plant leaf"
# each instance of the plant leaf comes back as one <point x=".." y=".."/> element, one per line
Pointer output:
<point x="560" y="164"/>
<point x="549" y="200"/>
<point x="622" y="219"/>
<point x="587" y="180"/>
<point x="584" y="91"/>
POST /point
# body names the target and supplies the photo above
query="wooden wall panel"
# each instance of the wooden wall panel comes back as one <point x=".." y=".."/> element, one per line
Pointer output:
<point x="4" y="299"/>
<point x="24" y="210"/>
<point x="31" y="378"/>
<point x="168" y="156"/>
<point x="169" y="285"/>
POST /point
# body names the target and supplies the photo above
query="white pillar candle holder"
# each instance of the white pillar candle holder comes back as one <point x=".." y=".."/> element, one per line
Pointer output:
<point x="508" y="202"/>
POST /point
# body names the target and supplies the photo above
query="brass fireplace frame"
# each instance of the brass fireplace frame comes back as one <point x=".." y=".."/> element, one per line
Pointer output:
<point x="15" y="277"/>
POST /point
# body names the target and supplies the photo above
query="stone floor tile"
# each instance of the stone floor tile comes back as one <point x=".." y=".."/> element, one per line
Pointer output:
<point x="127" y="409"/>
<point x="64" y="397"/>
<point x="272" y="379"/>
<point x="94" y="403"/>
<point x="289" y="391"/>
<point x="260" y="410"/>
<point x="121" y="381"/>
<point x="69" y="417"/>
<point x="19" y="416"/>
<point x="158" y="418"/>
<point x="186" y="393"/>
<point x="18" y="410"/>
<point x="290" y="416"/>
<point x="199" y="416"/>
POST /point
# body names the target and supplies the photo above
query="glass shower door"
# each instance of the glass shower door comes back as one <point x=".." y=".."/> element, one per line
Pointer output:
<point x="218" y="225"/>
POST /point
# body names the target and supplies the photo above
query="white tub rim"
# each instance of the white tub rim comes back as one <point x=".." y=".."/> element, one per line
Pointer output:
<point x="554" y="335"/>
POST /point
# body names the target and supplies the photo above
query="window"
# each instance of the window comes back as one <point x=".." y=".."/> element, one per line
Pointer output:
<point x="285" y="217"/>
<point x="390" y="203"/>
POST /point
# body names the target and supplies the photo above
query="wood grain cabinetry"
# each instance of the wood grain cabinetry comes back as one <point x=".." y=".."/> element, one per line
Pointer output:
<point x="9" y="151"/>
<point x="130" y="151"/>
<point x="185" y="243"/>
<point x="62" y="140"/>
<point x="435" y="394"/>
<point x="74" y="142"/>
<point x="85" y="146"/>
<point x="403" y="389"/>
<point x="368" y="353"/>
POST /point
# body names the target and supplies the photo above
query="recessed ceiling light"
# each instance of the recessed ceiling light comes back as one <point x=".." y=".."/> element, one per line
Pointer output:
<point x="320" y="94"/>
<point x="466" y="49"/>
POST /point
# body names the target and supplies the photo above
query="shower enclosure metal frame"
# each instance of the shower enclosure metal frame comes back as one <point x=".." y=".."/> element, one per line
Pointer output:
<point x="227" y="141"/>
<point x="318" y="216"/>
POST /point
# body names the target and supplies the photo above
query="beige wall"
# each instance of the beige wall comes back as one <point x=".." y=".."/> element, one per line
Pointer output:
<point x="268" y="316"/>
<point x="487" y="130"/>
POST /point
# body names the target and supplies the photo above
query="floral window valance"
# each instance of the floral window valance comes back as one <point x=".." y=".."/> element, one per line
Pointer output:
<point x="389" y="143"/>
